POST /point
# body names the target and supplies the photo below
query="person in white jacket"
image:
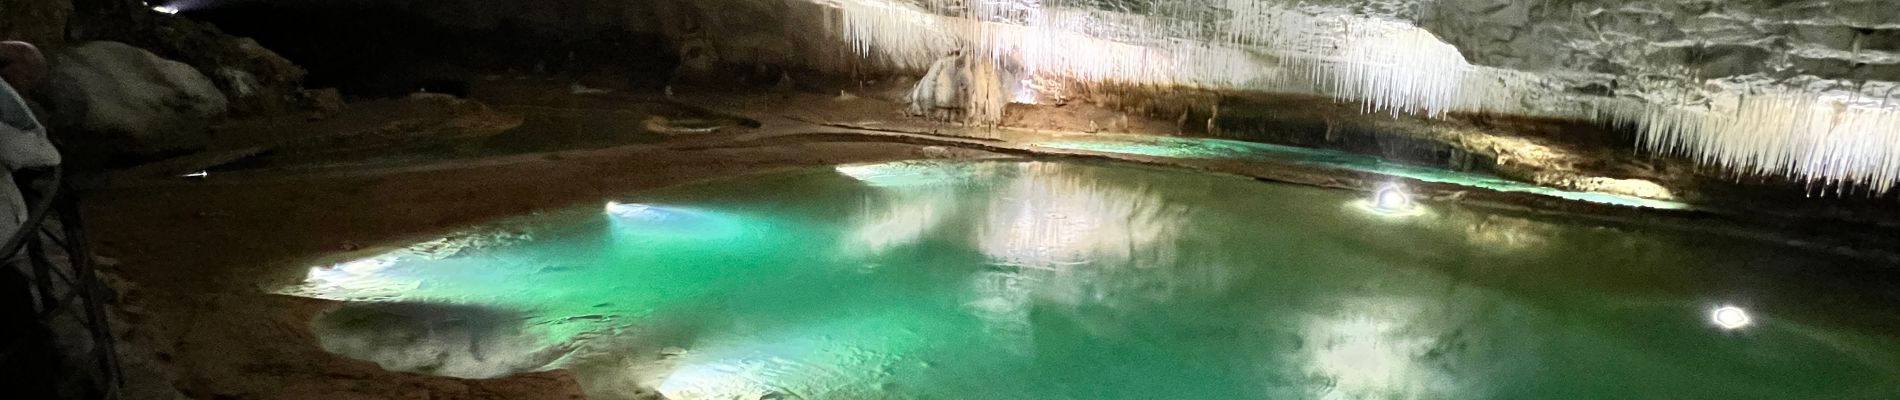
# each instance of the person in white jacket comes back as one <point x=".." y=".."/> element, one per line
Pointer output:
<point x="23" y="142"/>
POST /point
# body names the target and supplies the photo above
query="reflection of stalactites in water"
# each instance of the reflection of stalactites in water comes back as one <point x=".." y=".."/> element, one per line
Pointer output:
<point x="1053" y="217"/>
<point x="1079" y="239"/>
<point x="912" y="199"/>
<point x="902" y="220"/>
<point x="1002" y="302"/>
<point x="1425" y="345"/>
<point x="1373" y="349"/>
<point x="1506" y="234"/>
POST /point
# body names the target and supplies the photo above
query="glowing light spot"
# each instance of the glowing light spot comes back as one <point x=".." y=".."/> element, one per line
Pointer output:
<point x="168" y="10"/>
<point x="199" y="174"/>
<point x="368" y="277"/>
<point x="626" y="210"/>
<point x="1730" y="318"/>
<point x="1392" y="199"/>
<point x="1389" y="201"/>
<point x="648" y="220"/>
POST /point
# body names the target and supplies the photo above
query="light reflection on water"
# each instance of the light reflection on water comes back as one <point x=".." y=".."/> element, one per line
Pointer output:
<point x="1054" y="280"/>
<point x="1207" y="148"/>
<point x="1050" y="218"/>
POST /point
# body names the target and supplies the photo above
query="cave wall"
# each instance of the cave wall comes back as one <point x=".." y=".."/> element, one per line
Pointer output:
<point x="390" y="48"/>
<point x="1706" y="79"/>
<point x="1834" y="39"/>
<point x="259" y="81"/>
<point x="35" y="21"/>
<point x="1801" y="90"/>
<point x="1807" y="90"/>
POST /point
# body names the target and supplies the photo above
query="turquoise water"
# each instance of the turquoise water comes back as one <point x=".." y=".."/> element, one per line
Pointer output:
<point x="1040" y="280"/>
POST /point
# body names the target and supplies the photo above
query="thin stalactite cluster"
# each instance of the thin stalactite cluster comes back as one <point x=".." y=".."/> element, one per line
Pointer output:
<point x="1832" y="137"/>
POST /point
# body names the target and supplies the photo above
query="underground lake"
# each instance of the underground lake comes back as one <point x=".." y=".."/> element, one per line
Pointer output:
<point x="1018" y="279"/>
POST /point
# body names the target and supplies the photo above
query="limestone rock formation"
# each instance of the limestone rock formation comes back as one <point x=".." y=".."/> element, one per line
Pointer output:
<point x="254" y="79"/>
<point x="1800" y="89"/>
<point x="123" y="100"/>
<point x="955" y="87"/>
<point x="1833" y="39"/>
<point x="1797" y="90"/>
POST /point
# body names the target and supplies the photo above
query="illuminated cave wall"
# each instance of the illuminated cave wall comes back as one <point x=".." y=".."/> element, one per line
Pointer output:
<point x="1798" y="89"/>
<point x="1803" y="89"/>
<point x="1227" y="45"/>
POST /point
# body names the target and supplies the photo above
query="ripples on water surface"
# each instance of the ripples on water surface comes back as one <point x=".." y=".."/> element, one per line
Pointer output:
<point x="1039" y="280"/>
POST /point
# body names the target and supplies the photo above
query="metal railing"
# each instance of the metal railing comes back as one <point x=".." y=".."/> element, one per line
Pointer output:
<point x="55" y="340"/>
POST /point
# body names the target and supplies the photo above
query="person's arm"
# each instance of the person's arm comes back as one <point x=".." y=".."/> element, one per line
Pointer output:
<point x="21" y="149"/>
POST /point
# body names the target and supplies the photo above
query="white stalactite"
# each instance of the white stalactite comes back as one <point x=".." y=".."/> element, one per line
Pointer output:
<point x="1835" y="141"/>
<point x="1389" y="66"/>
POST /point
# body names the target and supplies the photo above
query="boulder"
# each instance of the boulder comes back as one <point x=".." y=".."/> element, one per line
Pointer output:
<point x="322" y="103"/>
<point x="111" y="99"/>
<point x="253" y="79"/>
<point x="256" y="79"/>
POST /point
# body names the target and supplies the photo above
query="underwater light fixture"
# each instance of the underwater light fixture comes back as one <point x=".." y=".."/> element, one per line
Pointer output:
<point x="1392" y="198"/>
<point x="165" y="9"/>
<point x="1389" y="201"/>
<point x="1730" y="318"/>
<point x="624" y="209"/>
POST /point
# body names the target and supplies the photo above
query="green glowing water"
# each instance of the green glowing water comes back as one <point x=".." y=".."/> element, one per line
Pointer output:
<point x="1034" y="280"/>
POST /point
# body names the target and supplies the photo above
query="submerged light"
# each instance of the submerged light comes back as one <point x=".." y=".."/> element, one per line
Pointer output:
<point x="669" y="221"/>
<point x="1389" y="201"/>
<point x="1392" y="198"/>
<point x="626" y="210"/>
<point x="1730" y="317"/>
<point x="165" y="9"/>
